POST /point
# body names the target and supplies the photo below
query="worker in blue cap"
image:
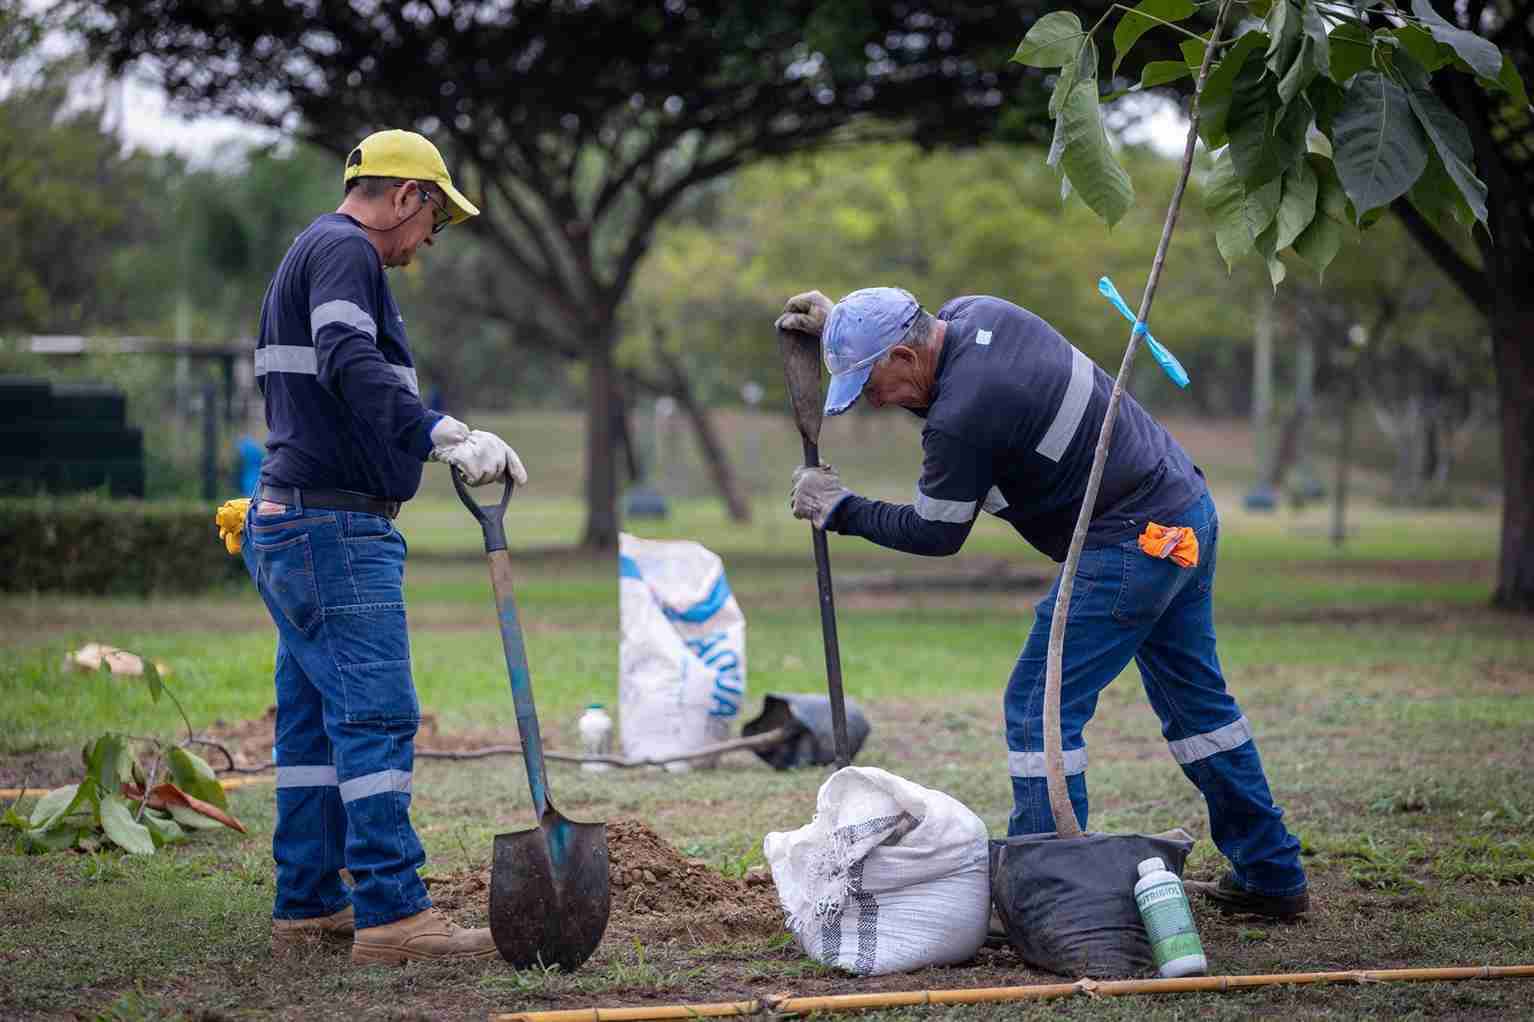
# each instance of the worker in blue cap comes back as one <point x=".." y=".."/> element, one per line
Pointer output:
<point x="1012" y="414"/>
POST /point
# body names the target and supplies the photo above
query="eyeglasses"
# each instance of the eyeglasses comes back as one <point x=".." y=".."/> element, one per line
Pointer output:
<point x="441" y="215"/>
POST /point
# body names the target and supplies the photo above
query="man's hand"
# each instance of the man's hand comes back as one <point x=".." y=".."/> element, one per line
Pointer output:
<point x="805" y="313"/>
<point x="816" y="494"/>
<point x="480" y="457"/>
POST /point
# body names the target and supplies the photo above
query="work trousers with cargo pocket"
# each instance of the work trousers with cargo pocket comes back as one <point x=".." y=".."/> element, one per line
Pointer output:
<point x="347" y="712"/>
<point x="1128" y="605"/>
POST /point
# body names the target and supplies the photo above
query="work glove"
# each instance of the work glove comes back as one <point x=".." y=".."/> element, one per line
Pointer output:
<point x="816" y="494"/>
<point x="805" y="313"/>
<point x="479" y="457"/>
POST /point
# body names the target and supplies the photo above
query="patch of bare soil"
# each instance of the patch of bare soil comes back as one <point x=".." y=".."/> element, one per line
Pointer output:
<point x="40" y="770"/>
<point x="658" y="894"/>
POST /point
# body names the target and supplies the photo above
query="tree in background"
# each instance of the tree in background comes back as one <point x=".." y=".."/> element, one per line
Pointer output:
<point x="581" y="125"/>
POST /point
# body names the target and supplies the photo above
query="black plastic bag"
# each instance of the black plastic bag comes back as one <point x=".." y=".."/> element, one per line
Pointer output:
<point x="1068" y="903"/>
<point x="810" y="740"/>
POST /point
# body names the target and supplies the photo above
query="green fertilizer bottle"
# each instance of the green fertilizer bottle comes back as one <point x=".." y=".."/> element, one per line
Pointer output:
<point x="1169" y="921"/>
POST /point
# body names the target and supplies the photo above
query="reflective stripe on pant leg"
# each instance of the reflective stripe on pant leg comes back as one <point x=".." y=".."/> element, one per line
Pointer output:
<point x="1221" y="739"/>
<point x="376" y="783"/>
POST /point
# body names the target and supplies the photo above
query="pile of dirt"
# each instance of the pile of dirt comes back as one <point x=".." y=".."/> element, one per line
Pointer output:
<point x="658" y="894"/>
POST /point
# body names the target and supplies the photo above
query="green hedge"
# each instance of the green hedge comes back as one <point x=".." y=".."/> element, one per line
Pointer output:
<point x="97" y="546"/>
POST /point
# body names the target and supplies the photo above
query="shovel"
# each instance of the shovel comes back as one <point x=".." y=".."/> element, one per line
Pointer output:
<point x="549" y="894"/>
<point x="801" y="367"/>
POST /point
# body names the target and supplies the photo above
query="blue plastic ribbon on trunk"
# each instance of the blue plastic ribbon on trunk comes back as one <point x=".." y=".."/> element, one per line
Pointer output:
<point x="1164" y="358"/>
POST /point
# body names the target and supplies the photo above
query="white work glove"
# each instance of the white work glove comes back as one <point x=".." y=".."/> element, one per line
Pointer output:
<point x="805" y="313"/>
<point x="816" y="494"/>
<point x="480" y="457"/>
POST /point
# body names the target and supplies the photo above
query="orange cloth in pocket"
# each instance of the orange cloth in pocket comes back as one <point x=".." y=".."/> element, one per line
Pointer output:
<point x="1175" y="541"/>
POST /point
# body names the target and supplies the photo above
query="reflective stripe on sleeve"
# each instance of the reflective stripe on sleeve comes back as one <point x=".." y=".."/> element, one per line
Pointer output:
<point x="407" y="377"/>
<point x="286" y="358"/>
<point x="306" y="777"/>
<point x="953" y="511"/>
<point x="375" y="784"/>
<point x="995" y="503"/>
<point x="1190" y="750"/>
<point x="1031" y="764"/>
<point x="1072" y="407"/>
<point x="342" y="311"/>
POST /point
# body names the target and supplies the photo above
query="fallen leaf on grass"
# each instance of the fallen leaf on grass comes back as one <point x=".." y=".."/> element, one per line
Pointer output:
<point x="168" y="796"/>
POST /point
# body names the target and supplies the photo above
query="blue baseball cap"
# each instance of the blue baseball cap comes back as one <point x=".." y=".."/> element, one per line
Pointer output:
<point x="861" y="328"/>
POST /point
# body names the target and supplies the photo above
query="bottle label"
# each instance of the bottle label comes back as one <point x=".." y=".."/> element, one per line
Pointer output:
<point x="1168" y="922"/>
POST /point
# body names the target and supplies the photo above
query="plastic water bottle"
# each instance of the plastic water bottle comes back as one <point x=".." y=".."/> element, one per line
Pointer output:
<point x="596" y="729"/>
<point x="1169" y="921"/>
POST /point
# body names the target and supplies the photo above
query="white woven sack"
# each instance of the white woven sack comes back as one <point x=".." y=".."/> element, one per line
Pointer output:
<point x="681" y="649"/>
<point x="888" y="877"/>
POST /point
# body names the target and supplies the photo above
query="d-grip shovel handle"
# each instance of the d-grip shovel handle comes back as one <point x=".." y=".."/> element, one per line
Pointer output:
<point x="491" y="520"/>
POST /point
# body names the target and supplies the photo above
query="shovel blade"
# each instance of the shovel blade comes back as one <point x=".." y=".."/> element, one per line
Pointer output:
<point x="549" y="893"/>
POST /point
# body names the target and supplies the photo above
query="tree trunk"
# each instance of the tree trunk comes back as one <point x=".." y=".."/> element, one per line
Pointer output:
<point x="1513" y="350"/>
<point x="601" y="452"/>
<point x="708" y="437"/>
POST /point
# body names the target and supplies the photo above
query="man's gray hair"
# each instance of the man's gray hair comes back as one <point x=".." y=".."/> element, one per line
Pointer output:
<point x="918" y="335"/>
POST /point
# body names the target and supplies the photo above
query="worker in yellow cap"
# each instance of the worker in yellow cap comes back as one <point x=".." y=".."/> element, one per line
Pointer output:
<point x="347" y="440"/>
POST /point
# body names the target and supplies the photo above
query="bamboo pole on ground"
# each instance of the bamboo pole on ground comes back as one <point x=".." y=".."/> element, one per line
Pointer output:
<point x="1000" y="995"/>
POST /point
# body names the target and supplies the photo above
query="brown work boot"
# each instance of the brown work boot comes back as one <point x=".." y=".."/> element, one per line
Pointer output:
<point x="427" y="936"/>
<point x="288" y="934"/>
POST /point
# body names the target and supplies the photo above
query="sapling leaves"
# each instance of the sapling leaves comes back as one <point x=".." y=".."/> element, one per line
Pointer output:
<point x="129" y="835"/>
<point x="1142" y="19"/>
<point x="1352" y="50"/>
<point x="1085" y="154"/>
<point x="1052" y="41"/>
<point x="1449" y="136"/>
<point x="1215" y="101"/>
<point x="1297" y="206"/>
<point x="1481" y="54"/>
<point x="1378" y="146"/>
<point x="194" y="776"/>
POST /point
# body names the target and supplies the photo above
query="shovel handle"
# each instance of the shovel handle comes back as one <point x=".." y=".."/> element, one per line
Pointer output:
<point x="491" y="517"/>
<point x="828" y="626"/>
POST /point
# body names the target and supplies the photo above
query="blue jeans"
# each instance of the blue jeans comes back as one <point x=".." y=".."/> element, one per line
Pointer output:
<point x="347" y="713"/>
<point x="1125" y="605"/>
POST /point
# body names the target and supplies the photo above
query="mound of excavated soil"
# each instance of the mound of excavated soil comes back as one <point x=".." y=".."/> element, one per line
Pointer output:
<point x="658" y="894"/>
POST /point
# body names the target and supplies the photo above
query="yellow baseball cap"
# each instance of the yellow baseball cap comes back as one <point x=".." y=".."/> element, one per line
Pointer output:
<point x="409" y="155"/>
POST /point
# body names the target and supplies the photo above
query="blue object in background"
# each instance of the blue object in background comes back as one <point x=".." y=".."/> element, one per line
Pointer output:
<point x="250" y="454"/>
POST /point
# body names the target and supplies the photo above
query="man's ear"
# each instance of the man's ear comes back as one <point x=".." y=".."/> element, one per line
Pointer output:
<point x="902" y="353"/>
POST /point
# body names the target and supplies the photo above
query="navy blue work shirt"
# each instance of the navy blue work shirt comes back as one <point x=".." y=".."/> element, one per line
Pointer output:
<point x="343" y="410"/>
<point x="1011" y="430"/>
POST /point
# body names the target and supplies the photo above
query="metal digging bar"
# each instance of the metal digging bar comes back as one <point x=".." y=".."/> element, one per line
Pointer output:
<point x="801" y="368"/>
<point x="549" y="886"/>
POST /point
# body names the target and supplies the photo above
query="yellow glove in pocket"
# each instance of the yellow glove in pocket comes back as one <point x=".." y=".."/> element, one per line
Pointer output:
<point x="231" y="523"/>
<point x="1178" y="542"/>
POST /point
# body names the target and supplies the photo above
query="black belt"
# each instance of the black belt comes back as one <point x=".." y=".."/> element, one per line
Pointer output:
<point x="330" y="500"/>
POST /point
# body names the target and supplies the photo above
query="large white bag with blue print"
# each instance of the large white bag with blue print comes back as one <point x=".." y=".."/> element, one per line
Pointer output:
<point x="888" y="877"/>
<point x="682" y="649"/>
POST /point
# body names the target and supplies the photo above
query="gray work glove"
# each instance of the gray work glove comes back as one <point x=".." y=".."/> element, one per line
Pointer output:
<point x="480" y="457"/>
<point x="816" y="494"/>
<point x="805" y="313"/>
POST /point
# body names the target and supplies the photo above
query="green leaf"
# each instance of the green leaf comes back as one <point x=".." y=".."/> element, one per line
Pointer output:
<point x="1379" y="148"/>
<point x="1320" y="44"/>
<point x="1238" y="216"/>
<point x="1326" y="99"/>
<point x="1083" y="68"/>
<point x="1160" y="72"/>
<point x="1086" y="156"/>
<point x="117" y="820"/>
<point x="1135" y="24"/>
<point x="152" y="679"/>
<point x="1331" y="200"/>
<point x="1284" y="32"/>
<point x="1450" y="137"/>
<point x="1300" y="74"/>
<point x="162" y="829"/>
<point x="1480" y="54"/>
<point x="110" y="763"/>
<point x="1438" y="198"/>
<point x="1265" y="139"/>
<point x="1352" y="51"/>
<point x="1297" y="207"/>
<point x="1319" y="244"/>
<point x="1267" y="250"/>
<point x="1051" y="42"/>
<point x="1512" y="83"/>
<point x="1215" y="102"/>
<point x="56" y="805"/>
<point x="1419" y="42"/>
<point x="191" y="819"/>
<point x="192" y="774"/>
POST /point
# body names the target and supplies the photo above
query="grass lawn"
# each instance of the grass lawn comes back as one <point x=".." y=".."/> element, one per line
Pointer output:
<point x="1394" y="712"/>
